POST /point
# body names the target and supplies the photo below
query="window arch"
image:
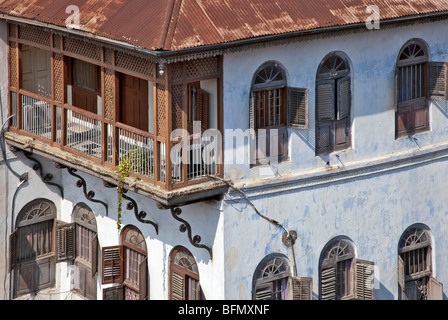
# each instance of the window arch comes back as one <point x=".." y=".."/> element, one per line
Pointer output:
<point x="415" y="280"/>
<point x="184" y="275"/>
<point x="135" y="259"/>
<point x="342" y="276"/>
<point x="31" y="247"/>
<point x="333" y="104"/>
<point x="273" y="107"/>
<point x="270" y="279"/>
<point x="86" y="250"/>
<point x="411" y="74"/>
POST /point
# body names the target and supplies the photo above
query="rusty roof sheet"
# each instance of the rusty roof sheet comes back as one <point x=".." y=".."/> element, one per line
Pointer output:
<point x="181" y="24"/>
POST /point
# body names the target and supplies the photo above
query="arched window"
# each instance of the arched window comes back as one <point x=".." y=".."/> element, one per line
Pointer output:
<point x="184" y="275"/>
<point x="333" y="104"/>
<point x="411" y="73"/>
<point x="271" y="278"/>
<point x="342" y="276"/>
<point x="31" y="248"/>
<point x="415" y="278"/>
<point x="274" y="105"/>
<point x="126" y="264"/>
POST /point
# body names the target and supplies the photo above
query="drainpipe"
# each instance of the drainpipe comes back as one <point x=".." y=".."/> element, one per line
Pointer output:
<point x="289" y="237"/>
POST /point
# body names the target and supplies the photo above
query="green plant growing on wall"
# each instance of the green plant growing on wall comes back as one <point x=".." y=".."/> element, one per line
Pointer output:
<point x="137" y="161"/>
<point x="124" y="168"/>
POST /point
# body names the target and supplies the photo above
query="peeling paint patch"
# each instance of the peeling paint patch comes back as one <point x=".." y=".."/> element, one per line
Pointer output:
<point x="231" y="258"/>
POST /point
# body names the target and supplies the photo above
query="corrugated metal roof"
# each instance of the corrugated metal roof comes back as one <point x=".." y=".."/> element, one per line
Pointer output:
<point x="180" y="24"/>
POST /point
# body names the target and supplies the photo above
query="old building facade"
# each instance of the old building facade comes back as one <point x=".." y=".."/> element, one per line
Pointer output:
<point x="301" y="163"/>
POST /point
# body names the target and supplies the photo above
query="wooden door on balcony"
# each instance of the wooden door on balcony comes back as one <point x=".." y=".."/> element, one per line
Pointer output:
<point x="36" y="70"/>
<point x="134" y="102"/>
<point x="86" y="85"/>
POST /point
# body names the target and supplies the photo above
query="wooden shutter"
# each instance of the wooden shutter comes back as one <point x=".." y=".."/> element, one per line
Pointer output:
<point x="344" y="97"/>
<point x="114" y="293"/>
<point x="302" y="288"/>
<point x="364" y="288"/>
<point x="13" y="249"/>
<point x="94" y="262"/>
<point x="400" y="272"/>
<point x="113" y="264"/>
<point x="65" y="242"/>
<point x="297" y="107"/>
<point x="193" y="289"/>
<point x="263" y="291"/>
<point x="328" y="283"/>
<point x="437" y="82"/>
<point x="202" y="107"/>
<point x="325" y="100"/>
<point x="177" y="286"/>
<point x="435" y="289"/>
<point x="143" y="279"/>
<point x="252" y="112"/>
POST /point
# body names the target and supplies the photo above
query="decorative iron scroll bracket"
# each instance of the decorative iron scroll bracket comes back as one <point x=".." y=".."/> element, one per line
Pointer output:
<point x="45" y="178"/>
<point x="185" y="226"/>
<point x="82" y="183"/>
<point x="132" y="205"/>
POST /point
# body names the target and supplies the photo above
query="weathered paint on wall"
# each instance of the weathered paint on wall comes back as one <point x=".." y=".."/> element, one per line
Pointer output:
<point x="383" y="187"/>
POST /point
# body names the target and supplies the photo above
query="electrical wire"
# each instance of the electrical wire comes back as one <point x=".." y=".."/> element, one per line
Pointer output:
<point x="272" y="221"/>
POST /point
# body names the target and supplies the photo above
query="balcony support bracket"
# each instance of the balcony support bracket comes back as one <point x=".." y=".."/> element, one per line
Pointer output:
<point x="45" y="178"/>
<point x="185" y="226"/>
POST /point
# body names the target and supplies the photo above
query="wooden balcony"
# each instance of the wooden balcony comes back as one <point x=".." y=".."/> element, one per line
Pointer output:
<point x="97" y="139"/>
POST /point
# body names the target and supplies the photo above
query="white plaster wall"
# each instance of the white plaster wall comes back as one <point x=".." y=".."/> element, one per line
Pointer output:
<point x="372" y="210"/>
<point x="373" y="56"/>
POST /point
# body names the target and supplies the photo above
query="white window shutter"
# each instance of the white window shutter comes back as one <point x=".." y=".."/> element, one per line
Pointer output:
<point x="364" y="287"/>
<point x="328" y="283"/>
<point x="297" y="107"/>
<point x="400" y="273"/>
<point x="263" y="291"/>
<point x="437" y="82"/>
<point x="177" y="287"/>
<point x="435" y="289"/>
<point x="65" y="235"/>
<point x="325" y="100"/>
<point x="302" y="288"/>
<point x="344" y="97"/>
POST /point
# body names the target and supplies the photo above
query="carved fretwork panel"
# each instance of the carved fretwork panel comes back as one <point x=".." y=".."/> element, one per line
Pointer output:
<point x="13" y="64"/>
<point x="82" y="48"/>
<point x="58" y="66"/>
<point x="133" y="63"/>
<point x="109" y="92"/>
<point x="161" y="110"/>
<point x="34" y="35"/>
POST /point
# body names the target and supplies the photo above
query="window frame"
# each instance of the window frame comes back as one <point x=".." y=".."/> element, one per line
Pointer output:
<point x="333" y="126"/>
<point x="185" y="277"/>
<point x="412" y="115"/>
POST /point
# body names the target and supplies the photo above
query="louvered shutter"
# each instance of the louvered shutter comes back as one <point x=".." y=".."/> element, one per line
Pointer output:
<point x="326" y="100"/>
<point x="177" y="286"/>
<point x="94" y="262"/>
<point x="344" y="97"/>
<point x="113" y="264"/>
<point x="297" y="107"/>
<point x="364" y="288"/>
<point x="143" y="279"/>
<point x="253" y="140"/>
<point x="396" y="90"/>
<point x="437" y="83"/>
<point x="400" y="273"/>
<point x="435" y="289"/>
<point x="193" y="289"/>
<point x="13" y="249"/>
<point x="302" y="288"/>
<point x="263" y="291"/>
<point x="114" y="293"/>
<point x="328" y="283"/>
<point x="65" y="235"/>
<point x="202" y="107"/>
